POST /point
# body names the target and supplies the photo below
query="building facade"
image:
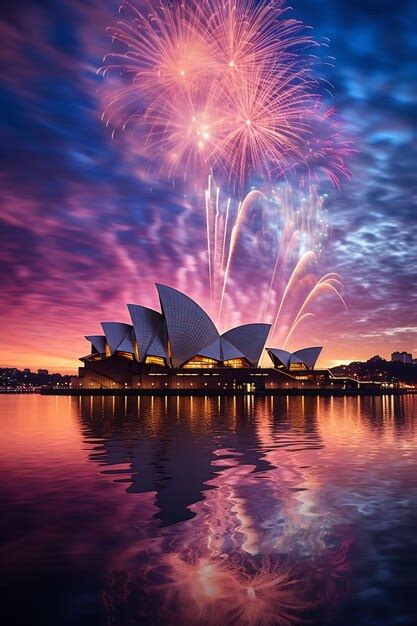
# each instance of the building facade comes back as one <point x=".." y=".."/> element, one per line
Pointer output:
<point x="402" y="357"/>
<point x="179" y="348"/>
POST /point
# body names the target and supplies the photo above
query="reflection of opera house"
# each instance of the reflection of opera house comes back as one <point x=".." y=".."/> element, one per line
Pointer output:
<point x="181" y="349"/>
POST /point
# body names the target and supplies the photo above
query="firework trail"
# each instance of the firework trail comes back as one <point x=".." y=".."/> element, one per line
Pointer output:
<point x="296" y="274"/>
<point x="330" y="283"/>
<point x="226" y="89"/>
<point x="294" y="228"/>
<point x="240" y="217"/>
<point x="302" y="228"/>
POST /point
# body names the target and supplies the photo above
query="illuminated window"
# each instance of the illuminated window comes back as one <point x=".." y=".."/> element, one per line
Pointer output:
<point x="201" y="361"/>
<point x="239" y="362"/>
<point x="297" y="366"/>
<point x="96" y="356"/>
<point x="155" y="360"/>
<point x="125" y="355"/>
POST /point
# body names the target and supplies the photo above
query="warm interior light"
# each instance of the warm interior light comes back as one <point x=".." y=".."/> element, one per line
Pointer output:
<point x="297" y="366"/>
<point x="200" y="361"/>
<point x="239" y="362"/>
<point x="155" y="360"/>
<point x="125" y="355"/>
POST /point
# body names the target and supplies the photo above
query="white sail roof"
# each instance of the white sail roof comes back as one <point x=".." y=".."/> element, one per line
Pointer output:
<point x="229" y="351"/>
<point x="156" y="348"/>
<point x="147" y="325"/>
<point x="283" y="356"/>
<point x="98" y="341"/>
<point x="185" y="330"/>
<point x="189" y="327"/>
<point x="309" y="356"/>
<point x="249" y="339"/>
<point x="213" y="350"/>
<point x="119" y="336"/>
<point x="306" y="356"/>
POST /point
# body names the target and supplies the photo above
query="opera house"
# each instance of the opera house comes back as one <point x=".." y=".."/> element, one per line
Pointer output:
<point x="180" y="349"/>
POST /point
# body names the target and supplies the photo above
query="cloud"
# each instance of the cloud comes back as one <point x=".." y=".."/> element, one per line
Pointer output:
<point x="86" y="224"/>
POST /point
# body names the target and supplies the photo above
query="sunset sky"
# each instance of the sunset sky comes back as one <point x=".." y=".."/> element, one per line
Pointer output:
<point x="86" y="227"/>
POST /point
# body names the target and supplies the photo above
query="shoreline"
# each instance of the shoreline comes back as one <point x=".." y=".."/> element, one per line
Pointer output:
<point x="202" y="392"/>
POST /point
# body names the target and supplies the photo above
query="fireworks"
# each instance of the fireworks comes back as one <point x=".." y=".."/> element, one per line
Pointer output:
<point x="224" y="221"/>
<point x="287" y="229"/>
<point x="326" y="149"/>
<point x="223" y="87"/>
<point x="259" y="591"/>
<point x="262" y="129"/>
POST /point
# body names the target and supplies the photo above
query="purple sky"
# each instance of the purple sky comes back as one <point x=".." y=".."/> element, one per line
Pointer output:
<point x="85" y="228"/>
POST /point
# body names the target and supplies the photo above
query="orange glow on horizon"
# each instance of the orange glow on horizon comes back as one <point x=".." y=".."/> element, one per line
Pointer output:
<point x="68" y="362"/>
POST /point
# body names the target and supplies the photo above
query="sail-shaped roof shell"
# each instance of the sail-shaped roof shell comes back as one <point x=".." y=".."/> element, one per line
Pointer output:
<point x="98" y="342"/>
<point x="309" y="356"/>
<point x="189" y="327"/>
<point x="147" y="325"/>
<point x="249" y="339"/>
<point x="283" y="356"/>
<point x="119" y="336"/>
<point x="306" y="356"/>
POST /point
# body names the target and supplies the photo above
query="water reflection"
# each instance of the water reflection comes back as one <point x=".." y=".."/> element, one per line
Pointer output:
<point x="255" y="501"/>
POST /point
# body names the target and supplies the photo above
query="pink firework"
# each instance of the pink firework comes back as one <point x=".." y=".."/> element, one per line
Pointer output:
<point x="236" y="591"/>
<point x="326" y="149"/>
<point x="184" y="134"/>
<point x="243" y="35"/>
<point x="224" y="83"/>
<point x="160" y="48"/>
<point x="263" y="123"/>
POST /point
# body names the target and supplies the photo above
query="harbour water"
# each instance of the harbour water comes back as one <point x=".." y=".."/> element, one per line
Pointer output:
<point x="203" y="511"/>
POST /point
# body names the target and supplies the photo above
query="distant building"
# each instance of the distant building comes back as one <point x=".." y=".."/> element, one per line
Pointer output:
<point x="402" y="357"/>
<point x="375" y="359"/>
<point x="45" y="372"/>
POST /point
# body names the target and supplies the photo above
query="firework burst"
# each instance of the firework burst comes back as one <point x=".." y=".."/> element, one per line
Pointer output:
<point x="237" y="591"/>
<point x="225" y="83"/>
<point x="225" y="89"/>
<point x="262" y="127"/>
<point x="326" y="149"/>
<point x="160" y="47"/>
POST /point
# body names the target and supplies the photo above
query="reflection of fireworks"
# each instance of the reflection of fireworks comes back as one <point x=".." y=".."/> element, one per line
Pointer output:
<point x="262" y="548"/>
<point x="229" y="592"/>
<point x="224" y="84"/>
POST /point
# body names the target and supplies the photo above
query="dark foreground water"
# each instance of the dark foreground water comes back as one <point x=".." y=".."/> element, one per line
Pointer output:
<point x="194" y="511"/>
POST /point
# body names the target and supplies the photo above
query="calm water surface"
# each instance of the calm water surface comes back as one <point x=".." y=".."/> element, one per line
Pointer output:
<point x="194" y="511"/>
